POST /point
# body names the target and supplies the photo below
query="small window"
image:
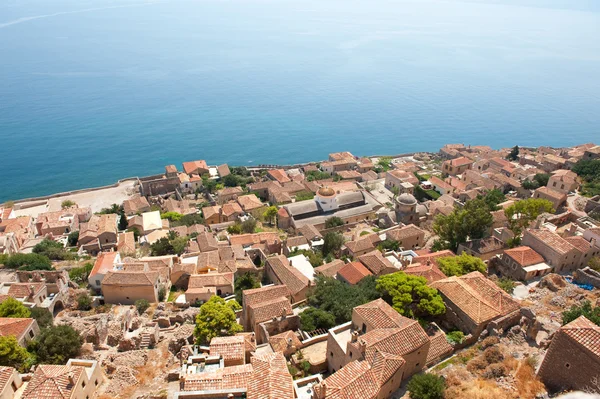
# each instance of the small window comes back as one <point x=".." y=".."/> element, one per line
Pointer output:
<point x="331" y="355"/>
<point x="350" y="355"/>
<point x="96" y="382"/>
<point x="567" y="365"/>
<point x="83" y="384"/>
<point x="31" y="333"/>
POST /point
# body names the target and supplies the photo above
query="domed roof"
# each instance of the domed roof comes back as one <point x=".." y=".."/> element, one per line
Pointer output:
<point x="326" y="192"/>
<point x="406" y="199"/>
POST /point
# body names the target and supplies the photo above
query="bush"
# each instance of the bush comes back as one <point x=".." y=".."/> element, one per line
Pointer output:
<point x="455" y="337"/>
<point x="28" y="262"/>
<point x="171" y="216"/>
<point x="585" y="309"/>
<point x="506" y="284"/>
<point x="313" y="319"/>
<point x="42" y="316"/>
<point x="84" y="301"/>
<point x="477" y="364"/>
<point x="245" y="282"/>
<point x="67" y="204"/>
<point x="493" y="355"/>
<point x="73" y="238"/>
<point x="12" y="354"/>
<point x="142" y="305"/>
<point x="460" y="265"/>
<point x="249" y="225"/>
<point x="305" y="366"/>
<point x="489" y="342"/>
<point x="235" y="229"/>
<point x="333" y="221"/>
<point x="426" y="386"/>
<point x="162" y="293"/>
<point x="10" y="307"/>
<point x="495" y="370"/>
<point x="56" y="345"/>
<point x="79" y="275"/>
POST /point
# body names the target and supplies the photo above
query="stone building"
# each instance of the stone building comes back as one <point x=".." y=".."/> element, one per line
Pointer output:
<point x="522" y="263"/>
<point x="10" y="382"/>
<point x="457" y="166"/>
<point x="23" y="329"/>
<point x="573" y="358"/>
<point x="405" y="208"/>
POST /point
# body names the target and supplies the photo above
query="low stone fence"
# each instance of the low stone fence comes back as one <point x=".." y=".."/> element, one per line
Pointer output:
<point x="587" y="276"/>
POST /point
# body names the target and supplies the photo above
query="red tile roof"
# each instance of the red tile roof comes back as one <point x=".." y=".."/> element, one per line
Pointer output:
<point x="279" y="175"/>
<point x="53" y="382"/>
<point x="585" y="333"/>
<point x="524" y="256"/>
<point x="104" y="263"/>
<point x="234" y="377"/>
<point x="378" y="314"/>
<point x="354" y="272"/>
<point x="430" y="272"/>
<point x="193" y="166"/>
<point x="271" y="378"/>
<point x="231" y="348"/>
<point x="14" y="326"/>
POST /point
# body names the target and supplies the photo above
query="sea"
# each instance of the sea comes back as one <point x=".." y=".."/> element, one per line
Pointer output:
<point x="92" y="91"/>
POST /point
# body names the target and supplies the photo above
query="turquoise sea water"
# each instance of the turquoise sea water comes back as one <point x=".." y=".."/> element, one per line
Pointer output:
<point x="96" y="90"/>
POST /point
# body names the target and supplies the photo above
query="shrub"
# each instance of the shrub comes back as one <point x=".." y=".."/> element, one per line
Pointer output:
<point x="305" y="366"/>
<point x="84" y="301"/>
<point x="53" y="250"/>
<point x="142" y="305"/>
<point x="495" y="370"/>
<point x="235" y="229"/>
<point x="312" y="319"/>
<point x="585" y="309"/>
<point x="162" y="293"/>
<point x="426" y="386"/>
<point x="476" y="364"/>
<point x="506" y="284"/>
<point x="455" y="337"/>
<point x="249" y="225"/>
<point x="79" y="275"/>
<point x="73" y="238"/>
<point x="12" y="354"/>
<point x="42" y="316"/>
<point x="171" y="216"/>
<point x="333" y="221"/>
<point x="28" y="261"/>
<point x="67" y="204"/>
<point x="56" y="345"/>
<point x="489" y="342"/>
<point x="493" y="355"/>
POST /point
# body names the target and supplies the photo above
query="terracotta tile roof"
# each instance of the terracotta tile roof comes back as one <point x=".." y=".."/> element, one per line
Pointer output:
<point x="340" y="156"/>
<point x="249" y="202"/>
<point x="383" y="365"/>
<point x="264" y="294"/>
<point x="208" y="260"/>
<point x="461" y="161"/>
<point x="193" y="166"/>
<point x="230" y="191"/>
<point x="6" y="373"/>
<point x="548" y="192"/>
<point x="288" y="275"/>
<point x="126" y="242"/>
<point x="479" y="298"/>
<point x="207" y="242"/>
<point x="376" y="262"/>
<point x="23" y="290"/>
<point x="279" y="175"/>
<point x="285" y="341"/>
<point x="254" y="238"/>
<point x="353" y="272"/>
<point x="585" y="333"/>
<point x="348" y="174"/>
<point x="436" y="181"/>
<point x="266" y="310"/>
<point x="404" y="232"/>
<point x="234" y="377"/>
<point x="378" y="314"/>
<point x="553" y="240"/>
<point x="439" y="347"/>
<point x="53" y="382"/>
<point x="310" y="232"/>
<point x="397" y="341"/>
<point x="231" y="348"/>
<point x="430" y="272"/>
<point x="353" y="381"/>
<point x="363" y="243"/>
<point x="524" y="256"/>
<point x="330" y="269"/>
<point x="125" y="278"/>
<point x="580" y="243"/>
<point x="210" y="280"/>
<point x="283" y="213"/>
<point x="271" y="378"/>
<point x="484" y="245"/>
<point x="232" y="208"/>
<point x="171" y="169"/>
<point x="433" y="257"/>
<point x="296" y="241"/>
<point x="14" y="326"/>
<point x="223" y="170"/>
<point x="104" y="263"/>
<point x="210" y="211"/>
<point x="135" y="205"/>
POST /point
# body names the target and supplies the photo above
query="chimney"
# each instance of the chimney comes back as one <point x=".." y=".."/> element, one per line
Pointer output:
<point x="362" y="345"/>
<point x="252" y="338"/>
<point x="32" y="290"/>
<point x="323" y="390"/>
<point x="289" y="342"/>
<point x="71" y="378"/>
<point x="593" y="243"/>
<point x="354" y="336"/>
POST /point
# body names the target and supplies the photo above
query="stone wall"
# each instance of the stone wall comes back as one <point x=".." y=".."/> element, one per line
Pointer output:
<point x="587" y="276"/>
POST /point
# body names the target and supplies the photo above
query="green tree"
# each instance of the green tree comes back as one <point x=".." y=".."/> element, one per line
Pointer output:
<point x="455" y="337"/>
<point x="73" y="238"/>
<point x="472" y="221"/>
<point x="172" y="216"/>
<point x="312" y="319"/>
<point x="585" y="309"/>
<point x="249" y="225"/>
<point x="332" y="243"/>
<point x="461" y="264"/>
<point x="215" y="319"/>
<point x="235" y="229"/>
<point x="67" y="204"/>
<point x="506" y="284"/>
<point x="52" y="250"/>
<point x="209" y="185"/>
<point x="337" y="298"/>
<point x="426" y="386"/>
<point x="410" y="295"/>
<point x="246" y="281"/>
<point x="530" y="184"/>
<point x="388" y="245"/>
<point x="12" y="354"/>
<point x="333" y="221"/>
<point x="230" y="180"/>
<point x="514" y="154"/>
<point x="522" y="213"/>
<point x="494" y="197"/>
<point x="304" y="195"/>
<point x="541" y="179"/>
<point x="188" y="220"/>
<point x="42" y="316"/>
<point x="10" y="307"/>
<point x="270" y="213"/>
<point x="142" y="305"/>
<point x="114" y="208"/>
<point x="79" y="275"/>
<point x="56" y="345"/>
<point x="84" y="301"/>
<point x="136" y="233"/>
<point x="123" y="223"/>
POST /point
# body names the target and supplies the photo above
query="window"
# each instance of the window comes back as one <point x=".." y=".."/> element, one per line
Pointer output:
<point x="31" y="333"/>
<point x="567" y="365"/>
<point x="331" y="355"/>
<point x="364" y="328"/>
<point x="96" y="382"/>
<point x="350" y="355"/>
<point x="13" y="386"/>
<point x="97" y="282"/>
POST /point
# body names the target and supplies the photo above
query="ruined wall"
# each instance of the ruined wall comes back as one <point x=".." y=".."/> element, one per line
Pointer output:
<point x="587" y="276"/>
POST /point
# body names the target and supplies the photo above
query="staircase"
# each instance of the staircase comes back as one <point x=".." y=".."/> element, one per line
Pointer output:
<point x="146" y="340"/>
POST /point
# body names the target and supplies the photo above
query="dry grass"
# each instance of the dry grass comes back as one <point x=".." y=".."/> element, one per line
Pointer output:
<point x="526" y="382"/>
<point x="478" y="389"/>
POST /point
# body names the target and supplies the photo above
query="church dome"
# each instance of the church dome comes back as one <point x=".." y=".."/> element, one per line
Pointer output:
<point x="326" y="192"/>
<point x="406" y="199"/>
